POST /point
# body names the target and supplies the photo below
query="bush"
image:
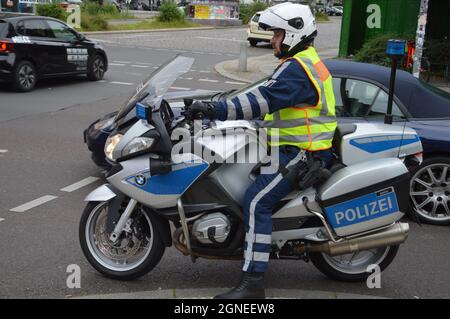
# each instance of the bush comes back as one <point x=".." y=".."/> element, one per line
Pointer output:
<point x="169" y="12"/>
<point x="93" y="22"/>
<point x="374" y="50"/>
<point x="90" y="7"/>
<point x="52" y="10"/>
<point x="247" y="11"/>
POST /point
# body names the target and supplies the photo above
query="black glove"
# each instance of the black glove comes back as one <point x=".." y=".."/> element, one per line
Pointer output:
<point x="201" y="110"/>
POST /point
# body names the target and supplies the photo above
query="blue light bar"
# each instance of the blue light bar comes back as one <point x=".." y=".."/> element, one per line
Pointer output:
<point x="395" y="47"/>
<point x="142" y="111"/>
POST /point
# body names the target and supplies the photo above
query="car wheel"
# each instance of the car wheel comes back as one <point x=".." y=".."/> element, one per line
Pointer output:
<point x="253" y="43"/>
<point x="430" y="191"/>
<point x="24" y="77"/>
<point x="97" y="68"/>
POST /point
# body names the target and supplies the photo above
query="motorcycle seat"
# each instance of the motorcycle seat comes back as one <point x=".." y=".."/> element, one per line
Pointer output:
<point x="341" y="131"/>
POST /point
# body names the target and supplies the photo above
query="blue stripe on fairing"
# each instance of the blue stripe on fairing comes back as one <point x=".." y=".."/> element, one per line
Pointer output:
<point x="173" y="183"/>
<point x="376" y="147"/>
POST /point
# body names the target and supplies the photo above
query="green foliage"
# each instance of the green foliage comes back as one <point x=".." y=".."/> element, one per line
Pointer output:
<point x="322" y="17"/>
<point x="52" y="10"/>
<point x="93" y="22"/>
<point x="437" y="51"/>
<point x="169" y="12"/>
<point x="374" y="50"/>
<point x="248" y="10"/>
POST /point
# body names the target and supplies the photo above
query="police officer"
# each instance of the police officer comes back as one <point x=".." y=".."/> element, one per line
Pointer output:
<point x="299" y="108"/>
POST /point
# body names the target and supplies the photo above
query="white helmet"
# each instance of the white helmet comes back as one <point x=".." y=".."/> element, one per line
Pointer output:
<point x="296" y="20"/>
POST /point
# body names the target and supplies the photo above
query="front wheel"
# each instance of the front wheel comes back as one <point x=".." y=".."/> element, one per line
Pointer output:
<point x="97" y="68"/>
<point x="353" y="267"/>
<point x="138" y="250"/>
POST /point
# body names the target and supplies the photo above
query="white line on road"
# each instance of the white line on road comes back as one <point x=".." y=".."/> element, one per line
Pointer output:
<point x="144" y="63"/>
<point x="3" y="151"/>
<point x="221" y="39"/>
<point x="238" y="83"/>
<point x="204" y="71"/>
<point x="181" y="78"/>
<point x="179" y="88"/>
<point x="117" y="64"/>
<point x="139" y="66"/>
<point x="80" y="184"/>
<point x="101" y="81"/>
<point x="122" y="62"/>
<point x="122" y="83"/>
<point x="2" y="219"/>
<point x="33" y="204"/>
<point x="208" y="80"/>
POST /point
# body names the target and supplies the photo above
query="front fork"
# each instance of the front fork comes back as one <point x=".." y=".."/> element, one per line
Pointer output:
<point x="123" y="220"/>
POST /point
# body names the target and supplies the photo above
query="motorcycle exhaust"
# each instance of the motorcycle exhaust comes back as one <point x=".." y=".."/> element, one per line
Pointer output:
<point x="394" y="235"/>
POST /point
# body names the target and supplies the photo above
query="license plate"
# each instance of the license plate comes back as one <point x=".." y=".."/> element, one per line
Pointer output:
<point x="363" y="209"/>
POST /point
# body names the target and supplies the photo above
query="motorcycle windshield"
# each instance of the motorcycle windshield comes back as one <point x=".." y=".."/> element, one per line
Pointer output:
<point x="156" y="85"/>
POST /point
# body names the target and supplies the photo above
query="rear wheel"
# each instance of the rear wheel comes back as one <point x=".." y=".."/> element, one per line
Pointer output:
<point x="353" y="267"/>
<point x="25" y="77"/>
<point x="253" y="43"/>
<point x="138" y="250"/>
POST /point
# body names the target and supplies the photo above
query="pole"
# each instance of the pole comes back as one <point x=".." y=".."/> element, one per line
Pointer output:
<point x="388" y="118"/>
<point x="243" y="57"/>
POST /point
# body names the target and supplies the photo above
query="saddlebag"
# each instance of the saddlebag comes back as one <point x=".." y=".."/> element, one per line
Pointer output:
<point x="365" y="196"/>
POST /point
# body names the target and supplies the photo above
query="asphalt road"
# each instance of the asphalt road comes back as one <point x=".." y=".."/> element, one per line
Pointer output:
<point x="42" y="152"/>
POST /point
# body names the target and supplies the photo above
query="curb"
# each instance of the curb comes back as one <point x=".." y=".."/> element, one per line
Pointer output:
<point x="145" y="30"/>
<point x="219" y="67"/>
<point x="208" y="293"/>
<point x="221" y="70"/>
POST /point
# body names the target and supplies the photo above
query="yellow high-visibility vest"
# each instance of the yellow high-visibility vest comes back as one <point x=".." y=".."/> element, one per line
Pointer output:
<point x="310" y="127"/>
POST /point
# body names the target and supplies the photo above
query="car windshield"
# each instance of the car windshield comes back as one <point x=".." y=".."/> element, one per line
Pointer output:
<point x="153" y="88"/>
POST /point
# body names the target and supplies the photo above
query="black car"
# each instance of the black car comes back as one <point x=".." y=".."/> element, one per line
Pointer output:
<point x="33" y="47"/>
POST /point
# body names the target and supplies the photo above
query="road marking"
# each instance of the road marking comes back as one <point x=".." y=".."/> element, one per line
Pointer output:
<point x="185" y="78"/>
<point x="80" y="184"/>
<point x="208" y="80"/>
<point x="237" y="83"/>
<point x="2" y="219"/>
<point x="117" y="64"/>
<point x="139" y="66"/>
<point x="204" y="71"/>
<point x="122" y="62"/>
<point x="101" y="81"/>
<point x="3" y="151"/>
<point x="34" y="203"/>
<point x="221" y="39"/>
<point x="122" y="83"/>
<point x="144" y="63"/>
<point x="179" y="88"/>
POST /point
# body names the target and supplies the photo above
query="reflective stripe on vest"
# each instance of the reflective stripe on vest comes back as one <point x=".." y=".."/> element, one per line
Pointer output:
<point x="309" y="127"/>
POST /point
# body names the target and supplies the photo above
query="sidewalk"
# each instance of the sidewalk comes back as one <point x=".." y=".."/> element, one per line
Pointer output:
<point x="260" y="66"/>
<point x="208" y="293"/>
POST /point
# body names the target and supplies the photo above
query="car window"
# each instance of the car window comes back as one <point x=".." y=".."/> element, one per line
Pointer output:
<point x="37" y="28"/>
<point x="255" y="18"/>
<point x="20" y="28"/>
<point x="379" y="107"/>
<point x="3" y="26"/>
<point x="61" y="31"/>
<point x="356" y="98"/>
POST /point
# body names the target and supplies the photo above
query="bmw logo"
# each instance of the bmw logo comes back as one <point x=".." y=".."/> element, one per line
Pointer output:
<point x="140" y="179"/>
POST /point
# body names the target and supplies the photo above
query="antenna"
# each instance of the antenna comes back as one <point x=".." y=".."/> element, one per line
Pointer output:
<point x="395" y="50"/>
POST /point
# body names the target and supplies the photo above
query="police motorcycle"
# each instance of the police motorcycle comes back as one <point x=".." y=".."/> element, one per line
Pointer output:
<point x="343" y="222"/>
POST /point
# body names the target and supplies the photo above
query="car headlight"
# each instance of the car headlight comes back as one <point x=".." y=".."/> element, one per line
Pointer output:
<point x="138" y="144"/>
<point x="111" y="144"/>
<point x="104" y="123"/>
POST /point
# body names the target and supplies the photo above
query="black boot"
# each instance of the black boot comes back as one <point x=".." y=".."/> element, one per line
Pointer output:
<point x="250" y="287"/>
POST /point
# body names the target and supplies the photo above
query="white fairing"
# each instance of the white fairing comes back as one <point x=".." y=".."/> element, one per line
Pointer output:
<point x="377" y="140"/>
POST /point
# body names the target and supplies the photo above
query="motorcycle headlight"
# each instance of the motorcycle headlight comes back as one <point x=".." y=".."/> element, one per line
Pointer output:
<point x="104" y="123"/>
<point x="138" y="144"/>
<point x="111" y="144"/>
